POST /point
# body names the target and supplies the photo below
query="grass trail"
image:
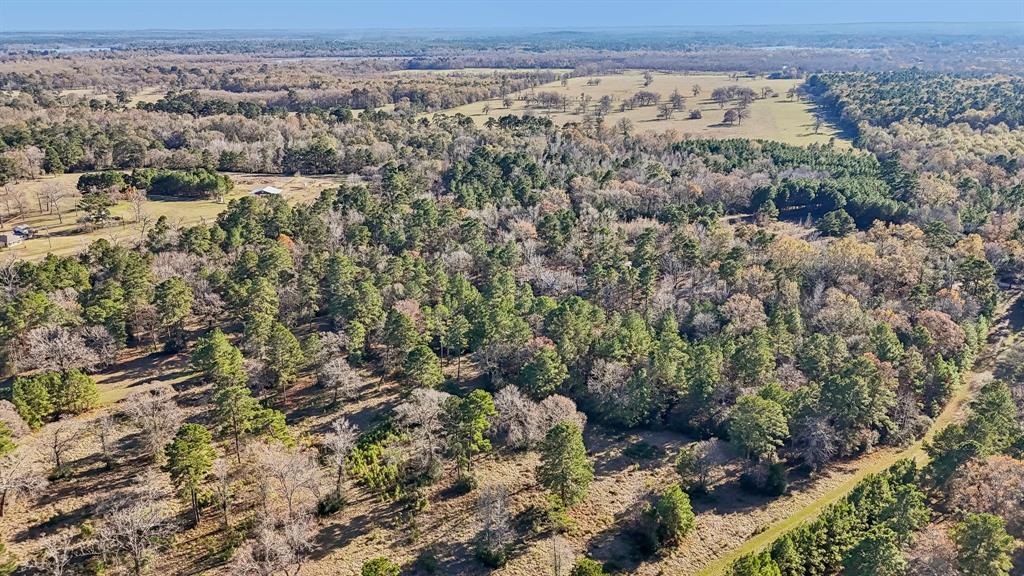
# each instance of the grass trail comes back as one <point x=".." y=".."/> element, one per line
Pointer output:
<point x="954" y="409"/>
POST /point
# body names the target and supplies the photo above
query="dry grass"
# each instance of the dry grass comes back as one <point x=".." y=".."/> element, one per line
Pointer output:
<point x="69" y="236"/>
<point x="777" y="118"/>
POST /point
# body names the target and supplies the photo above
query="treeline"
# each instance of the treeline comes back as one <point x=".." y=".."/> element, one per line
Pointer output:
<point x="873" y="529"/>
<point x="882" y="98"/>
<point x="199" y="183"/>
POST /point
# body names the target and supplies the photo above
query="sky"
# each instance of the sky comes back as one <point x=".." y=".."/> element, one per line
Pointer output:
<point x="52" y="15"/>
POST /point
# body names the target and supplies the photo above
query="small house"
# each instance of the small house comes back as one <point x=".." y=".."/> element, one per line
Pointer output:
<point x="8" y="240"/>
<point x="267" y="191"/>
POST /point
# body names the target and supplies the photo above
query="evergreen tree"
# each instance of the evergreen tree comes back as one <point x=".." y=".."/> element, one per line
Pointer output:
<point x="876" y="554"/>
<point x="564" y="468"/>
<point x="543" y="374"/>
<point x="422" y="368"/>
<point x="983" y="546"/>
<point x="466" y="421"/>
<point x="887" y="345"/>
<point x="218" y="360"/>
<point x="190" y="458"/>
<point x="673" y="515"/>
<point x="236" y="411"/>
<point x="31" y="398"/>
<point x="400" y="336"/>
<point x="72" y="392"/>
<point x="758" y="427"/>
<point x="758" y="564"/>
<point x="284" y="355"/>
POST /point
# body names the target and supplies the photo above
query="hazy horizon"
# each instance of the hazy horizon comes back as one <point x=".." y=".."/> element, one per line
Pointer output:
<point x="485" y="16"/>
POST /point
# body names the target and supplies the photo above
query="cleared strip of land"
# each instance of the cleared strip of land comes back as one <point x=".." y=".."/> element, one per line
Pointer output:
<point x="879" y="461"/>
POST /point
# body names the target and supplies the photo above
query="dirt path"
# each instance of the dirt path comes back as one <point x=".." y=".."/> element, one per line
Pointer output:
<point x="1001" y="336"/>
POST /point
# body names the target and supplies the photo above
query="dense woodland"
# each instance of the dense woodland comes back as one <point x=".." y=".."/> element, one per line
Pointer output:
<point x="520" y="282"/>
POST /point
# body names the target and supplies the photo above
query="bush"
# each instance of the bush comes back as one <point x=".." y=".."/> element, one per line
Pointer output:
<point x="643" y="451"/>
<point x="492" y="556"/>
<point x="587" y="567"/>
<point x="380" y="566"/>
<point x="464" y="485"/>
<point x="673" y="515"/>
<point x="330" y="504"/>
<point x="836" y="223"/>
<point x="427" y="562"/>
<point x="40" y="397"/>
<point x="766" y="481"/>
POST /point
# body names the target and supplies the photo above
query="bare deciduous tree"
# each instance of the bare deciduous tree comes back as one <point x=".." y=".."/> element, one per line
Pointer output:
<point x="9" y="416"/>
<point x="132" y="525"/>
<point x="278" y="549"/>
<point x="337" y="375"/>
<point x="99" y="340"/>
<point x="55" y="348"/>
<point x="157" y="417"/>
<point x="20" y="477"/>
<point x="815" y="441"/>
<point x="289" y="480"/>
<point x="58" y="439"/>
<point x="421" y="416"/>
<point x="104" y="429"/>
<point x="339" y="442"/>
<point x="932" y="553"/>
<point x="492" y="511"/>
<point x="56" y="555"/>
<point x="223" y="481"/>
<point x="52" y="193"/>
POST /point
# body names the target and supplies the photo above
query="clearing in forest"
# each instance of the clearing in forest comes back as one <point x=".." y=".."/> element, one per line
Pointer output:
<point x="778" y="117"/>
<point x="65" y="235"/>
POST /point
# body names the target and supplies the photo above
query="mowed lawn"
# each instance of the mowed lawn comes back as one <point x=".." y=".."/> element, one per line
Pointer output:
<point x="71" y="236"/>
<point x="774" y="118"/>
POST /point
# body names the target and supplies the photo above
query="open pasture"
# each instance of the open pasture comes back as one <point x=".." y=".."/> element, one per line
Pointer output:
<point x="777" y="117"/>
<point x="65" y="235"/>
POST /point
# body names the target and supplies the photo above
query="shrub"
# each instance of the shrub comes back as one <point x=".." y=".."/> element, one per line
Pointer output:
<point x="330" y="504"/>
<point x="492" y="556"/>
<point x="587" y="567"/>
<point x="771" y="480"/>
<point x="673" y="515"/>
<point x="380" y="566"/>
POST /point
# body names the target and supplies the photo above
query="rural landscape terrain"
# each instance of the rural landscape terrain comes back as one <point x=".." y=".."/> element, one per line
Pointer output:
<point x="738" y="302"/>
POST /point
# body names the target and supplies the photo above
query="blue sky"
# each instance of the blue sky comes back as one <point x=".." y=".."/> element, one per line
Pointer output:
<point x="18" y="15"/>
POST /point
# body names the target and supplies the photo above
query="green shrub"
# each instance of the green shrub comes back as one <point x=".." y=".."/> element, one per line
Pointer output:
<point x="587" y="567"/>
<point x="380" y="566"/>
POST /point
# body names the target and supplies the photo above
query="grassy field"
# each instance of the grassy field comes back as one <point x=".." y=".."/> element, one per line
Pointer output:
<point x="776" y="118"/>
<point x="69" y="236"/>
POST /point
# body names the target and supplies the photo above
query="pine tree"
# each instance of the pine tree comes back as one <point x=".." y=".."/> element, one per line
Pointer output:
<point x="758" y="426"/>
<point x="759" y="564"/>
<point x="190" y="458"/>
<point x="876" y="554"/>
<point x="564" y="468"/>
<point x="983" y="546"/>
<point x="673" y="515"/>
<point x="466" y="420"/>
<point x="218" y="360"/>
<point x="284" y="355"/>
<point x="543" y="374"/>
<point x="31" y="398"/>
<point x="236" y="412"/>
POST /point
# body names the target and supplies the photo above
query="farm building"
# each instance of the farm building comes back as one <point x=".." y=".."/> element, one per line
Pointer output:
<point x="267" y="191"/>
